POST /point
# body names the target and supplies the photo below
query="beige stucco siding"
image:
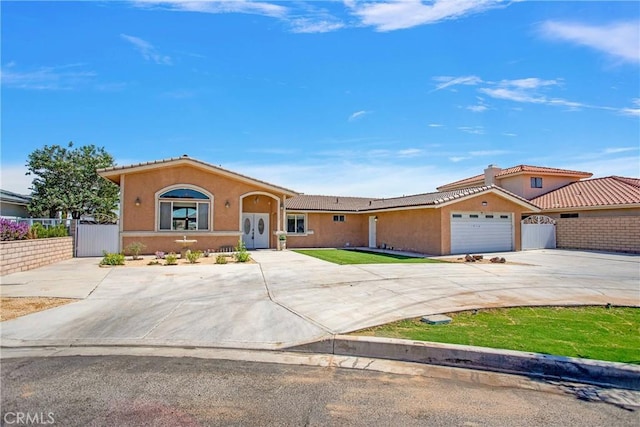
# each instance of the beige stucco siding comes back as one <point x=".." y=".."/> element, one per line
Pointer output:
<point x="323" y="232"/>
<point x="521" y="184"/>
<point x="167" y="244"/>
<point x="240" y="195"/>
<point x="414" y="230"/>
<point x="494" y="204"/>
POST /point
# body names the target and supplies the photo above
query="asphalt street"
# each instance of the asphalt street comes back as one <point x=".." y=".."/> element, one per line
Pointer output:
<point x="185" y="391"/>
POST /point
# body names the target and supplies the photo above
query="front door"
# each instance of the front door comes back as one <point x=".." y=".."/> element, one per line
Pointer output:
<point x="372" y="231"/>
<point x="255" y="230"/>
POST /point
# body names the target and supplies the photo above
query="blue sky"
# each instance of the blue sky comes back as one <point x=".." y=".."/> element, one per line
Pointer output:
<point x="333" y="97"/>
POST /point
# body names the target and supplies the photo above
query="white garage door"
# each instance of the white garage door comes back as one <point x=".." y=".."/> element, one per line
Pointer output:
<point x="481" y="232"/>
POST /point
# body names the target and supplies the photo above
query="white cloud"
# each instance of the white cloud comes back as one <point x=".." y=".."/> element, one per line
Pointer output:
<point x="396" y="15"/>
<point x="13" y="179"/>
<point x="435" y="125"/>
<point x="217" y="6"/>
<point x="358" y="115"/>
<point x="379" y="178"/>
<point x="477" y="108"/>
<point x="622" y="166"/>
<point x="410" y="152"/>
<point x="447" y="81"/>
<point x="616" y="150"/>
<point x="484" y="153"/>
<point x="473" y="130"/>
<point x="619" y="39"/>
<point x="64" y="77"/>
<point x="147" y="50"/>
<point x="457" y="159"/>
<point x="509" y="134"/>
<point x="307" y="25"/>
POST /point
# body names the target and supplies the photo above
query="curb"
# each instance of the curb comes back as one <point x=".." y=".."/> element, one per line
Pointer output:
<point x="534" y="365"/>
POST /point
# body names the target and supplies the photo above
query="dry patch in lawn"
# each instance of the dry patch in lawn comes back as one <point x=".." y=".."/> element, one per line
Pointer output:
<point x="10" y="308"/>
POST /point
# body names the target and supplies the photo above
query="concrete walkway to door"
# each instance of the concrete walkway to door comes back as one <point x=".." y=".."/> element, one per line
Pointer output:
<point x="287" y="299"/>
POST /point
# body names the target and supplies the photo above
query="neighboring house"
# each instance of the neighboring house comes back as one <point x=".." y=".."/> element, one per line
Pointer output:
<point x="597" y="214"/>
<point x="13" y="205"/>
<point x="184" y="198"/>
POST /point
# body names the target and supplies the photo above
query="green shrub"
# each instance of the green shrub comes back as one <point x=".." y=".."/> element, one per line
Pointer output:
<point x="193" y="256"/>
<point x="221" y="259"/>
<point x="135" y="248"/>
<point x="171" y="259"/>
<point x="39" y="231"/>
<point x="241" y="254"/>
<point x="112" y="259"/>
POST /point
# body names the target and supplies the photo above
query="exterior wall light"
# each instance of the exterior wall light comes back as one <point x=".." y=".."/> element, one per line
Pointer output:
<point x="227" y="204"/>
<point x="137" y="202"/>
<point x="484" y="203"/>
<point x="375" y="218"/>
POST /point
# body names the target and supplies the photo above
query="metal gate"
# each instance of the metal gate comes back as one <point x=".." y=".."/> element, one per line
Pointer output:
<point x="538" y="232"/>
<point x="95" y="239"/>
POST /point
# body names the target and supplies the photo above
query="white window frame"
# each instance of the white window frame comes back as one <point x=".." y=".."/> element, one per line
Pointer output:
<point x="198" y="202"/>
<point x="297" y="216"/>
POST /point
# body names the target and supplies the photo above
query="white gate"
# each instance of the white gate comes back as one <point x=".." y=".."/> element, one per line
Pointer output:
<point x="95" y="239"/>
<point x="538" y="232"/>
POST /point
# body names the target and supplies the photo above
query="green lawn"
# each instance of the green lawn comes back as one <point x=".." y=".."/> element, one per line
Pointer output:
<point x="587" y="332"/>
<point x="343" y="257"/>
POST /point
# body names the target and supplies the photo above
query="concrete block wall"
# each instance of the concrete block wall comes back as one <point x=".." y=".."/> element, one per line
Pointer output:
<point x="21" y="255"/>
<point x="617" y="234"/>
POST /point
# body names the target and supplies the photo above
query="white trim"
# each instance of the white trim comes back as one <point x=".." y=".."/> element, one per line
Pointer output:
<point x="255" y="193"/>
<point x="121" y="219"/>
<point x="180" y="233"/>
<point x="190" y="187"/>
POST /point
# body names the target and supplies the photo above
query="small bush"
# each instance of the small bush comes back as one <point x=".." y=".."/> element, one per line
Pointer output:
<point x="112" y="259"/>
<point x="171" y="259"/>
<point x="153" y="262"/>
<point x="135" y="248"/>
<point x="193" y="256"/>
<point x="221" y="259"/>
<point x="11" y="230"/>
<point x="241" y="254"/>
<point x="39" y="231"/>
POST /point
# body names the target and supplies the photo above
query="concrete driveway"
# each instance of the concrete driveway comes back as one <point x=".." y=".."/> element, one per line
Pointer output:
<point x="286" y="299"/>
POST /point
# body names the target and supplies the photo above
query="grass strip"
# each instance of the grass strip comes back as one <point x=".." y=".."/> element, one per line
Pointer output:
<point x="345" y="257"/>
<point x="611" y="334"/>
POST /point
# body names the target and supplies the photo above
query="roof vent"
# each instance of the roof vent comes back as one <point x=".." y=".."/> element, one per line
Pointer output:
<point x="185" y="155"/>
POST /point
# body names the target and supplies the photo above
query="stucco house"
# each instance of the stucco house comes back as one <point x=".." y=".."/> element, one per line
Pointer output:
<point x="14" y="205"/>
<point x="168" y="200"/>
<point x="597" y="213"/>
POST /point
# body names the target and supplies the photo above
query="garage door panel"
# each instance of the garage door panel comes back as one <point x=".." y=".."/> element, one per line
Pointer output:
<point x="481" y="233"/>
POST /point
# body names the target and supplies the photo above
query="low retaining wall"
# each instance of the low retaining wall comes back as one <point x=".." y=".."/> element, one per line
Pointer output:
<point x="609" y="374"/>
<point x="21" y="255"/>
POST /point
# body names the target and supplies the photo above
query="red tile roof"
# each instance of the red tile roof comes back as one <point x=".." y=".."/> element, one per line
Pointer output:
<point x="515" y="170"/>
<point x="113" y="173"/>
<point x="597" y="192"/>
<point x="359" y="204"/>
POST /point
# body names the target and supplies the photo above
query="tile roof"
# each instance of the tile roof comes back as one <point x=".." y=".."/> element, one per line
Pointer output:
<point x="479" y="179"/>
<point x="361" y="204"/>
<point x="110" y="170"/>
<point x="596" y="192"/>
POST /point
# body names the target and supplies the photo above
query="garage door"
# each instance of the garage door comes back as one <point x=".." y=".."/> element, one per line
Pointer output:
<point x="481" y="232"/>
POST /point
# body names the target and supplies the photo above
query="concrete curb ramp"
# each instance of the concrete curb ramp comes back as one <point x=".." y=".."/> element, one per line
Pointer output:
<point x="535" y="365"/>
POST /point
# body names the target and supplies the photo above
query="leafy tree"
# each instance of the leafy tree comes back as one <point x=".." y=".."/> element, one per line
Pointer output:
<point x="66" y="181"/>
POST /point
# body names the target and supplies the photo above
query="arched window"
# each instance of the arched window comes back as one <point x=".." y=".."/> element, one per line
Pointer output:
<point x="184" y="209"/>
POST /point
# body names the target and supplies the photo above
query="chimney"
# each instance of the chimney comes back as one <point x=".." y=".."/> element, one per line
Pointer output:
<point x="490" y="174"/>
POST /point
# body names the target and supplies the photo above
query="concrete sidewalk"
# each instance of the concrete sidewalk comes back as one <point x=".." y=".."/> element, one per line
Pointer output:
<point x="287" y="299"/>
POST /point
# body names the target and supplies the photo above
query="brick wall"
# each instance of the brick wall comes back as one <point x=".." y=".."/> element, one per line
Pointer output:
<point x="618" y="234"/>
<point x="21" y="255"/>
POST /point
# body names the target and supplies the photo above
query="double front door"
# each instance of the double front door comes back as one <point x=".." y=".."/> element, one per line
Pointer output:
<point x="255" y="230"/>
